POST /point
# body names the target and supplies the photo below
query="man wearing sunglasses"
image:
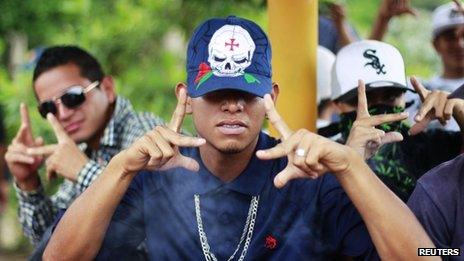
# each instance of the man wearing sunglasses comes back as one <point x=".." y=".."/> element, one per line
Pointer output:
<point x="91" y="124"/>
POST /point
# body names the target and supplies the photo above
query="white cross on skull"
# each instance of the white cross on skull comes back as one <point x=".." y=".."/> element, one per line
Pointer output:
<point x="230" y="51"/>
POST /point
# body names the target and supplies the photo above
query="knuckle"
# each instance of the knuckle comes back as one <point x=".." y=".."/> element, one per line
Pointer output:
<point x="169" y="153"/>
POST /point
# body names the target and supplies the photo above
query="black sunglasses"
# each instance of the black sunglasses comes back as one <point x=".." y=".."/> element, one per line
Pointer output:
<point x="72" y="98"/>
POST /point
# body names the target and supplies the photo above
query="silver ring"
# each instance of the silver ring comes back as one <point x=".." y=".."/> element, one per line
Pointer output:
<point x="300" y="152"/>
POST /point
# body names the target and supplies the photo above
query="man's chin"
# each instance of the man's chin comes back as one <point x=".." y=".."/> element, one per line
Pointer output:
<point x="231" y="148"/>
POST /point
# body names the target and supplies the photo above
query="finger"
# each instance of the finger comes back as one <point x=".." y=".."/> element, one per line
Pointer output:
<point x="282" y="149"/>
<point x="165" y="148"/>
<point x="421" y="125"/>
<point x="46" y="150"/>
<point x="384" y="118"/>
<point x="15" y="157"/>
<point x="300" y="160"/>
<point x="363" y="111"/>
<point x="187" y="163"/>
<point x="179" y="113"/>
<point x="289" y="173"/>
<point x="178" y="139"/>
<point x="272" y="153"/>
<point x="449" y="107"/>
<point x="420" y="89"/>
<point x="275" y="119"/>
<point x="391" y="137"/>
<point x="440" y="107"/>
<point x="60" y="133"/>
<point x="312" y="159"/>
<point x="155" y="156"/>
<point x="24" y="136"/>
<point x="426" y="108"/>
<point x="25" y="121"/>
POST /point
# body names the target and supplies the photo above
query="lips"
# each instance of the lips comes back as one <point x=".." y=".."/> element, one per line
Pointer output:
<point x="231" y="127"/>
<point x="73" y="127"/>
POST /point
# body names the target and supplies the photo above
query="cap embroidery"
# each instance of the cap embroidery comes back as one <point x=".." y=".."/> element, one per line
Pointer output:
<point x="374" y="61"/>
<point x="230" y="51"/>
<point x="204" y="73"/>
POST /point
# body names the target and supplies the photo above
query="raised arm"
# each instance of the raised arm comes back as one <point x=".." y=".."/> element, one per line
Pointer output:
<point x="387" y="10"/>
<point x="80" y="233"/>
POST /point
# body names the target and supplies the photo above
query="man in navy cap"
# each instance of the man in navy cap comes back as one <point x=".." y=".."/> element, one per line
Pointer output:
<point x="234" y="192"/>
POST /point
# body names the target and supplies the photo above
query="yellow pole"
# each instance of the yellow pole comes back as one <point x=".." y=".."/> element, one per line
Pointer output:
<point x="293" y="36"/>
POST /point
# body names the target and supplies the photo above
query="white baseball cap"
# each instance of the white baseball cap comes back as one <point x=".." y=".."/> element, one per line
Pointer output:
<point x="445" y="17"/>
<point x="325" y="61"/>
<point x="378" y="64"/>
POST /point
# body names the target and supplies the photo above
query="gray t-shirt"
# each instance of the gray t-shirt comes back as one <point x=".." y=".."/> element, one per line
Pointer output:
<point x="438" y="203"/>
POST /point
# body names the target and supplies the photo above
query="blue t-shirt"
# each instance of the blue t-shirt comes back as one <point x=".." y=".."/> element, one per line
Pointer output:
<point x="305" y="220"/>
<point x="438" y="203"/>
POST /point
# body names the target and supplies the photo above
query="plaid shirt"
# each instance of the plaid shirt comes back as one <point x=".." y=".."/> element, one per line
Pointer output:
<point x="37" y="210"/>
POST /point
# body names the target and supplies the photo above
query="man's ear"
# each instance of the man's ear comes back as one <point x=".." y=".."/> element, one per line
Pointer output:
<point x="188" y="106"/>
<point x="107" y="86"/>
<point x="275" y="92"/>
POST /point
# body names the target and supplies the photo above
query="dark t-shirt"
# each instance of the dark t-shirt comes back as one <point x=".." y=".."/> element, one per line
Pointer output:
<point x="401" y="164"/>
<point x="305" y="220"/>
<point x="438" y="203"/>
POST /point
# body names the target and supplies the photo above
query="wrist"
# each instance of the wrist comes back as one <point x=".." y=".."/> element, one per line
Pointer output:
<point x="117" y="165"/>
<point x="355" y="163"/>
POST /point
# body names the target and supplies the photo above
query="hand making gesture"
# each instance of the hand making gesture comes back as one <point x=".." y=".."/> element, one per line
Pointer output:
<point x="22" y="165"/>
<point x="158" y="148"/>
<point x="435" y="105"/>
<point x="63" y="158"/>
<point x="309" y="155"/>
<point x="390" y="8"/>
<point x="364" y="137"/>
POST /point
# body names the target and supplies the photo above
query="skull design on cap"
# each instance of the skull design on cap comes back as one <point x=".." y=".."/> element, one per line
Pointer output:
<point x="230" y="51"/>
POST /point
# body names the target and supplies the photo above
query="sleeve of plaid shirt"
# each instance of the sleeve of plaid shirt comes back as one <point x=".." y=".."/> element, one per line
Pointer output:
<point x="37" y="211"/>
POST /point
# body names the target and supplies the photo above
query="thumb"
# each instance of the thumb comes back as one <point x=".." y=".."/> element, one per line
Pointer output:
<point x="181" y="161"/>
<point x="188" y="163"/>
<point x="391" y="137"/>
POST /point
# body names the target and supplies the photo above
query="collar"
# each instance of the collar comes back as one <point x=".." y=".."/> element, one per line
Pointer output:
<point x="112" y="131"/>
<point x="251" y="181"/>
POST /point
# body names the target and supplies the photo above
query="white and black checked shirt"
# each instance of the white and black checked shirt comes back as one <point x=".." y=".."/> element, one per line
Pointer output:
<point x="37" y="211"/>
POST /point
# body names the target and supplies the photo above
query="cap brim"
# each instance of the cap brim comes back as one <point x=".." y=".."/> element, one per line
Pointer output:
<point x="353" y="93"/>
<point x="257" y="85"/>
<point x="439" y="30"/>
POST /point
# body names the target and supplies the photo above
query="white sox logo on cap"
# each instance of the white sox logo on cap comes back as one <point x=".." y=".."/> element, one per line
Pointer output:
<point x="374" y="61"/>
<point x="230" y="51"/>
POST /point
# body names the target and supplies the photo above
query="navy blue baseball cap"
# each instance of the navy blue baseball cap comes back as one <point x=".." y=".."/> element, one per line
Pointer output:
<point x="229" y="53"/>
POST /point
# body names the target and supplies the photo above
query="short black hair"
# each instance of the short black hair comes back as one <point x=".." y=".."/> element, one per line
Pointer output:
<point x="55" y="56"/>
